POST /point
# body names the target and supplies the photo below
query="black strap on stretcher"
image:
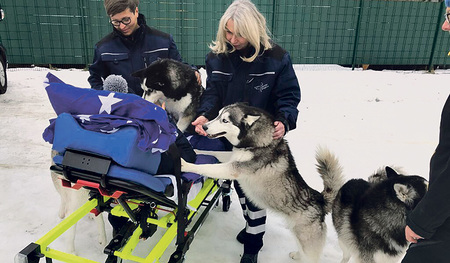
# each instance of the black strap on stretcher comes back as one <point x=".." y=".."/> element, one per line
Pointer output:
<point x="184" y="238"/>
<point x="181" y="215"/>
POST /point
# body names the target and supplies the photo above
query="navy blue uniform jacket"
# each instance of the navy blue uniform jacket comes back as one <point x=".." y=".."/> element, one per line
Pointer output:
<point x="431" y="217"/>
<point x="269" y="83"/>
<point x="121" y="55"/>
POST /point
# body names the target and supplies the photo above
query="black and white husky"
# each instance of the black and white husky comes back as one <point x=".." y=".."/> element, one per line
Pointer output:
<point x="175" y="84"/>
<point x="266" y="171"/>
<point x="370" y="216"/>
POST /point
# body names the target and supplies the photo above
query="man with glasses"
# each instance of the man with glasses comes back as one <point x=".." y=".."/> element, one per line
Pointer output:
<point x="428" y="225"/>
<point x="130" y="47"/>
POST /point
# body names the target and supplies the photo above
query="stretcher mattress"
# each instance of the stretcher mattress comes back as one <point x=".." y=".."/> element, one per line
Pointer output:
<point x="121" y="146"/>
<point x="131" y="163"/>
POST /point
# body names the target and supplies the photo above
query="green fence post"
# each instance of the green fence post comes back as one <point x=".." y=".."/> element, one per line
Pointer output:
<point x="274" y="2"/>
<point x="355" y="45"/>
<point x="84" y="44"/>
<point x="438" y="28"/>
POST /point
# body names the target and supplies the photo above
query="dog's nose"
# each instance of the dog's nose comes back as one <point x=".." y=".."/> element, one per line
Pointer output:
<point x="205" y="127"/>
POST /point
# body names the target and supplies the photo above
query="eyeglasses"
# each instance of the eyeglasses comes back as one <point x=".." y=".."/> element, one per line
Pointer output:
<point x="125" y="21"/>
<point x="447" y="17"/>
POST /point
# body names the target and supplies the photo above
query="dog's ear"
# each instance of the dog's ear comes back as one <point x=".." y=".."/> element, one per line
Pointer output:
<point x="405" y="193"/>
<point x="139" y="74"/>
<point x="250" y="119"/>
<point x="391" y="173"/>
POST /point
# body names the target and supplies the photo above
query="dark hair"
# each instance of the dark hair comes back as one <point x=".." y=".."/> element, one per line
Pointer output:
<point x="113" y="7"/>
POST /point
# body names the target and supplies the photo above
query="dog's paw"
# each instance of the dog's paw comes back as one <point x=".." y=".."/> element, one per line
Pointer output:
<point x="294" y="255"/>
<point x="185" y="165"/>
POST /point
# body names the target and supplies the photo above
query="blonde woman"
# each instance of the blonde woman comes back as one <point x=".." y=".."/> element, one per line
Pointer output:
<point x="245" y="65"/>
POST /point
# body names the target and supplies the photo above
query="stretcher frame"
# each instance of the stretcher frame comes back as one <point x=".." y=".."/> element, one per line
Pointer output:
<point x="175" y="222"/>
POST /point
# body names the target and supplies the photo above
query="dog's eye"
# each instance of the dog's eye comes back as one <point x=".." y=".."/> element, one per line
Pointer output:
<point x="160" y="84"/>
<point x="224" y="120"/>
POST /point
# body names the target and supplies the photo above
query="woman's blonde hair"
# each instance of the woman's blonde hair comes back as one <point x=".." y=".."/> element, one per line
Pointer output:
<point x="249" y="23"/>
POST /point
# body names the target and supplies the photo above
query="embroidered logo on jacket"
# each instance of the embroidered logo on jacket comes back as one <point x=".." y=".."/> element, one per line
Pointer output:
<point x="261" y="87"/>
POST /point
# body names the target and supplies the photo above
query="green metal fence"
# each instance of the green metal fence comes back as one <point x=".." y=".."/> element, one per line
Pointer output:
<point x="346" y="32"/>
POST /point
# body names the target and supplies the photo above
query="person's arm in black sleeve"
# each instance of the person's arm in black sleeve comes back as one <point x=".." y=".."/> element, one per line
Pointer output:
<point x="174" y="53"/>
<point x="97" y="71"/>
<point x="210" y="100"/>
<point x="434" y="209"/>
<point x="186" y="150"/>
<point x="288" y="95"/>
<point x="173" y="50"/>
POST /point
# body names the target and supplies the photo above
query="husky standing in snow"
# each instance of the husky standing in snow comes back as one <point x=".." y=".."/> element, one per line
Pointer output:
<point x="266" y="171"/>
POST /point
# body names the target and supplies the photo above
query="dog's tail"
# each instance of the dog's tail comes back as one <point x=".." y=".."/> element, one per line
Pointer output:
<point x="331" y="172"/>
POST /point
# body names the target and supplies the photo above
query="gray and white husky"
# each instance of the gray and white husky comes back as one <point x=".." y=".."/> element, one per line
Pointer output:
<point x="175" y="84"/>
<point x="370" y="216"/>
<point x="71" y="200"/>
<point x="266" y="171"/>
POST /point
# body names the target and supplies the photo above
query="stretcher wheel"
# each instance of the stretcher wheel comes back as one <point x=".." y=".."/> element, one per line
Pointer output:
<point x="226" y="202"/>
<point x="226" y="195"/>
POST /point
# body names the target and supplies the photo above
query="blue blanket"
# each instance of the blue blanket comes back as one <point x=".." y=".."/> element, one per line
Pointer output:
<point x="107" y="112"/>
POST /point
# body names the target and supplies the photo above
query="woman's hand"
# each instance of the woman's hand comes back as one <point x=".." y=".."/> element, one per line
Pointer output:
<point x="198" y="124"/>
<point x="161" y="104"/>
<point x="411" y="236"/>
<point x="199" y="78"/>
<point x="279" y="130"/>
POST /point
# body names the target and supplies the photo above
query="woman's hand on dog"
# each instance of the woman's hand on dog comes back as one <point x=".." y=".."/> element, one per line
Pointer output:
<point x="279" y="130"/>
<point x="198" y="124"/>
<point x="411" y="236"/>
<point x="199" y="78"/>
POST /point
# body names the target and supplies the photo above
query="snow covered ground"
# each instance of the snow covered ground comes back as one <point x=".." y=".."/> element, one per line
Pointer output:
<point x="367" y="118"/>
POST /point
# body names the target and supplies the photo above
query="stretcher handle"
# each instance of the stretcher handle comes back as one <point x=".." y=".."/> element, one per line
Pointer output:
<point x="83" y="183"/>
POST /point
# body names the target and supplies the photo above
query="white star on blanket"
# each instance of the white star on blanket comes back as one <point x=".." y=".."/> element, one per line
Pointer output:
<point x="107" y="102"/>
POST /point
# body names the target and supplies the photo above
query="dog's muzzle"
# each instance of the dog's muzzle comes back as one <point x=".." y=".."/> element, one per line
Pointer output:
<point x="212" y="136"/>
<point x="147" y="94"/>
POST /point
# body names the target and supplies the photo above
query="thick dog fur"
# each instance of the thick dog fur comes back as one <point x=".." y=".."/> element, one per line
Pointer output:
<point x="370" y="216"/>
<point x="71" y="200"/>
<point x="175" y="83"/>
<point x="266" y="171"/>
